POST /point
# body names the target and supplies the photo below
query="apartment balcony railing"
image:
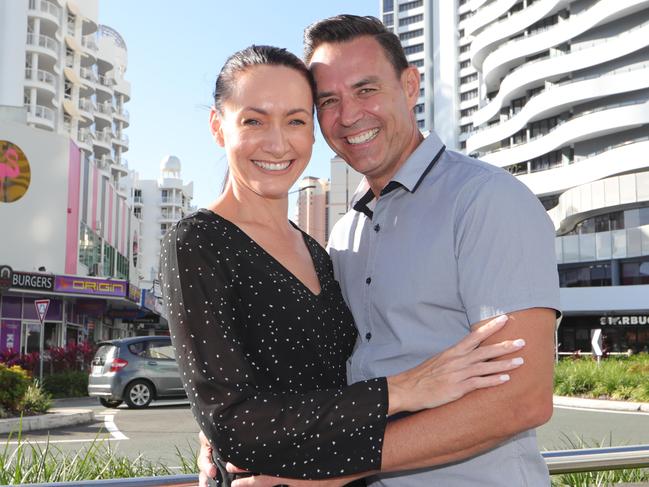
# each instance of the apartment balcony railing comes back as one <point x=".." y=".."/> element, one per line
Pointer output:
<point x="105" y="137"/>
<point x="41" y="76"/>
<point x="85" y="136"/>
<point x="43" y="41"/>
<point x="104" y="162"/>
<point x="45" y="7"/>
<point x="121" y="139"/>
<point x="86" y="105"/>
<point x="107" y="81"/>
<point x="137" y="200"/>
<point x="105" y="108"/>
<point x="89" y="42"/>
<point x="41" y="112"/>
<point x="123" y="114"/>
<point x="89" y="74"/>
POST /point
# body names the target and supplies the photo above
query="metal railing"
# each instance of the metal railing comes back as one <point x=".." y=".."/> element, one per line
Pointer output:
<point x="558" y="462"/>
<point x="43" y="41"/>
<point x="40" y="75"/>
<point x="41" y="112"/>
<point x="44" y="6"/>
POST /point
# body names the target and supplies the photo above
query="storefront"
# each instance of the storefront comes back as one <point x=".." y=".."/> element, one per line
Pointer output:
<point x="621" y="333"/>
<point x="78" y="309"/>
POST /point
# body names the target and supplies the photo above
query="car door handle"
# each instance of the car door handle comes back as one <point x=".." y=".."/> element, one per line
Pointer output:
<point x="152" y="362"/>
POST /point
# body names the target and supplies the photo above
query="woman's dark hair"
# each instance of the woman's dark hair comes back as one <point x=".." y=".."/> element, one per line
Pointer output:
<point x="255" y="56"/>
<point x="343" y="28"/>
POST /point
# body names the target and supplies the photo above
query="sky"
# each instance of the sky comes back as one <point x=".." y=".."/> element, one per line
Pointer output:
<point x="175" y="50"/>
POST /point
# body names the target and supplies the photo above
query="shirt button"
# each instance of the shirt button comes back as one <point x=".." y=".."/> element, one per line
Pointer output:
<point x="368" y="335"/>
<point x="377" y="227"/>
<point x="368" y="280"/>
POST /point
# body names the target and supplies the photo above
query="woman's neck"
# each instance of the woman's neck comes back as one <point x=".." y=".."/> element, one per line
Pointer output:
<point x="244" y="207"/>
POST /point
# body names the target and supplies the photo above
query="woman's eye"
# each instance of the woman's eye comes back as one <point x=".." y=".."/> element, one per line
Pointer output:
<point x="297" y="121"/>
<point x="251" y="121"/>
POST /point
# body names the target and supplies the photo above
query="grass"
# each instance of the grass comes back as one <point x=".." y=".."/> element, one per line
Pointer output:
<point x="33" y="463"/>
<point x="624" y="378"/>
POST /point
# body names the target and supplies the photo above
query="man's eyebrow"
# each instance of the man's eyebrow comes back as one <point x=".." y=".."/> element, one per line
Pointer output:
<point x="360" y="83"/>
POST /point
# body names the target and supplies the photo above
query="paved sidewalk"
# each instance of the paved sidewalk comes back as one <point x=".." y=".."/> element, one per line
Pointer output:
<point x="579" y="402"/>
<point x="55" y="418"/>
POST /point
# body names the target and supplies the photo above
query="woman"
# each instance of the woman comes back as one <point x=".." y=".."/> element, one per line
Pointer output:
<point x="261" y="331"/>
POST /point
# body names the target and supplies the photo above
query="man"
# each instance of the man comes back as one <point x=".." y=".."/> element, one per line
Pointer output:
<point x="439" y="244"/>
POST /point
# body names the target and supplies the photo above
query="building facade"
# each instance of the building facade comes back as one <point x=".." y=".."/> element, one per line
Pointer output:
<point x="344" y="184"/>
<point x="557" y="93"/>
<point x="69" y="235"/>
<point x="312" y="207"/>
<point x="158" y="204"/>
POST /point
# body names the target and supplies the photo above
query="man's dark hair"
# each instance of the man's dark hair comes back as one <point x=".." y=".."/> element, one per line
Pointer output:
<point x="343" y="28"/>
<point x="252" y="56"/>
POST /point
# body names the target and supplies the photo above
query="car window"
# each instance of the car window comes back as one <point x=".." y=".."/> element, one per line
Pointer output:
<point x="103" y="353"/>
<point x="161" y="350"/>
<point x="138" y="348"/>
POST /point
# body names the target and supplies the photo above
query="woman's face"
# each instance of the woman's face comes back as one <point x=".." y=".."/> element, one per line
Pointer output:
<point x="266" y="128"/>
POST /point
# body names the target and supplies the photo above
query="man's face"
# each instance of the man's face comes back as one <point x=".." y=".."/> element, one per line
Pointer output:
<point x="365" y="110"/>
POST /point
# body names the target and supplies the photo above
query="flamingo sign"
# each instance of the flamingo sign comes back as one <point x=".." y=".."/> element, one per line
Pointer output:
<point x="15" y="173"/>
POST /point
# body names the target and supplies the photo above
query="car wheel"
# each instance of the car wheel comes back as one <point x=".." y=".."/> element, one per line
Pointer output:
<point x="138" y="394"/>
<point x="107" y="403"/>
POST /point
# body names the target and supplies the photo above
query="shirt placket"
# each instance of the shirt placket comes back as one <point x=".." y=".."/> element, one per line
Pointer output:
<point x="373" y="234"/>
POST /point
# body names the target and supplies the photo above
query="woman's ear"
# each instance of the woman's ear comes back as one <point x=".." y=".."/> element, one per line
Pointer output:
<point x="216" y="126"/>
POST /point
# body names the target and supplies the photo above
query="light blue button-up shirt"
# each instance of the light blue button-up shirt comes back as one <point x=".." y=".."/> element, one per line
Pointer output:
<point x="451" y="241"/>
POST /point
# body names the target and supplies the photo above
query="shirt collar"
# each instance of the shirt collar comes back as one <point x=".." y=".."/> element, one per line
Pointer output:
<point x="411" y="174"/>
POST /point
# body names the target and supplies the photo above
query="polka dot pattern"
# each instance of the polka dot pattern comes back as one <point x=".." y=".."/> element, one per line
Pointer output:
<point x="263" y="359"/>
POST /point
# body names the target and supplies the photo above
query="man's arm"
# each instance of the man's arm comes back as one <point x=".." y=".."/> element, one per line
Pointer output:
<point x="484" y="418"/>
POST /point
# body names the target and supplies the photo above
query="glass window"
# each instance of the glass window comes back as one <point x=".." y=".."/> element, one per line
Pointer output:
<point x="388" y="5"/>
<point x="409" y="5"/>
<point x="161" y="351"/>
<point x="388" y="20"/>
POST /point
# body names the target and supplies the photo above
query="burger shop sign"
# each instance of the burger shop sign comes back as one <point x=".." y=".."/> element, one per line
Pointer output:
<point x="624" y="320"/>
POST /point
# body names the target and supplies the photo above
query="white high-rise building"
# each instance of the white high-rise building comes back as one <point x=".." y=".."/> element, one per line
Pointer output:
<point x="344" y="183"/>
<point x="158" y="204"/>
<point x="557" y="92"/>
<point x="312" y="207"/>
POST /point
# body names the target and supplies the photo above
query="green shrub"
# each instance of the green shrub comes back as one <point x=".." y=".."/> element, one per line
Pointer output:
<point x="35" y="400"/>
<point x="622" y="378"/>
<point x="66" y="384"/>
<point x="14" y="382"/>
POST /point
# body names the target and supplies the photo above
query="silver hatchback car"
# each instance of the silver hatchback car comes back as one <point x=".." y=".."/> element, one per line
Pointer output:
<point x="135" y="370"/>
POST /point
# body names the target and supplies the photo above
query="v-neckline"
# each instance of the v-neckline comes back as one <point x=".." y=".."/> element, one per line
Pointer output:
<point x="281" y="266"/>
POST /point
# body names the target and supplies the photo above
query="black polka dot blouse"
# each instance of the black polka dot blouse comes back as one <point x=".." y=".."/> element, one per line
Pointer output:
<point x="263" y="359"/>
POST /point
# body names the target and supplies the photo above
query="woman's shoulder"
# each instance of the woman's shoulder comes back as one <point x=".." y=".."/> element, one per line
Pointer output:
<point x="201" y="225"/>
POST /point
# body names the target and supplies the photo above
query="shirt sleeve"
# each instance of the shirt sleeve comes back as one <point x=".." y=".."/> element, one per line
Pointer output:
<point x="314" y="435"/>
<point x="504" y="245"/>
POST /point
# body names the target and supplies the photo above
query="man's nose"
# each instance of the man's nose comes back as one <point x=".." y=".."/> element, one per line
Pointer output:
<point x="350" y="111"/>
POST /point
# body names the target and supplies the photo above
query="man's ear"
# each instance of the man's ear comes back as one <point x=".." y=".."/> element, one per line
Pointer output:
<point x="216" y="126"/>
<point x="410" y="82"/>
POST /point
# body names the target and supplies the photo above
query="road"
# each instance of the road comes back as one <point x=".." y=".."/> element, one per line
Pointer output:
<point x="155" y="432"/>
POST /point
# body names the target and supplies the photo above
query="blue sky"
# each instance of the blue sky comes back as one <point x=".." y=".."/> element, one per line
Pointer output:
<point x="175" y="50"/>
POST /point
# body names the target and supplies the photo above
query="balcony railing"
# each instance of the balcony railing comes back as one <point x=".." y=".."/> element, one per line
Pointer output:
<point x="85" y="136"/>
<point x="105" y="137"/>
<point x="122" y="114"/>
<point x="89" y="42"/>
<point x="121" y="139"/>
<point x="86" y="105"/>
<point x="40" y="75"/>
<point x="88" y="74"/>
<point x="43" y="41"/>
<point x="40" y="111"/>
<point x="44" y="6"/>
<point x="105" y="108"/>
<point x="106" y="81"/>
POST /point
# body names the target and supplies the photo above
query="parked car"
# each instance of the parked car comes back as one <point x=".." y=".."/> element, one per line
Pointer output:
<point x="135" y="370"/>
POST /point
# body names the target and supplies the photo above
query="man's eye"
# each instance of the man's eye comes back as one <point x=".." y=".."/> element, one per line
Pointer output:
<point x="326" y="102"/>
<point x="365" y="91"/>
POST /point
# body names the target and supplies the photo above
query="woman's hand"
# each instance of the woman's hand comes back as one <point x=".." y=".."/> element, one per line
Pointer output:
<point x="455" y="372"/>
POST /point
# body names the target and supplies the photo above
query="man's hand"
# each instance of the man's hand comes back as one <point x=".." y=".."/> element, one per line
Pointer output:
<point x="205" y="464"/>
<point x="267" y="481"/>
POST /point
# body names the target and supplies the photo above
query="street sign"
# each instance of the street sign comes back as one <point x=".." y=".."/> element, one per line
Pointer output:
<point x="596" y="341"/>
<point x="41" y="308"/>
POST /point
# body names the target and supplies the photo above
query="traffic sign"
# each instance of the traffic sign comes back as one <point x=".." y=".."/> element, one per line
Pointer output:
<point x="42" y="306"/>
<point x="596" y="341"/>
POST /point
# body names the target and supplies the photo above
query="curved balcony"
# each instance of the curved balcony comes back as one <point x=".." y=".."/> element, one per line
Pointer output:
<point x="604" y="195"/>
<point x="43" y="45"/>
<point x="84" y="139"/>
<point x="123" y="116"/>
<point x="123" y="87"/>
<point x="104" y="110"/>
<point x="41" y="116"/>
<point x="87" y="108"/>
<point x="509" y="54"/>
<point x="626" y="157"/>
<point x="88" y="75"/>
<point x="557" y="98"/>
<point x="106" y="83"/>
<point x="614" y="244"/>
<point x="45" y="10"/>
<point x="587" y="125"/>
<point x="476" y="4"/>
<point x="121" y="141"/>
<point x="486" y="15"/>
<point x="119" y="169"/>
<point x="103" y="140"/>
<point x="530" y="74"/>
<point x="40" y="79"/>
<point x="487" y="40"/>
